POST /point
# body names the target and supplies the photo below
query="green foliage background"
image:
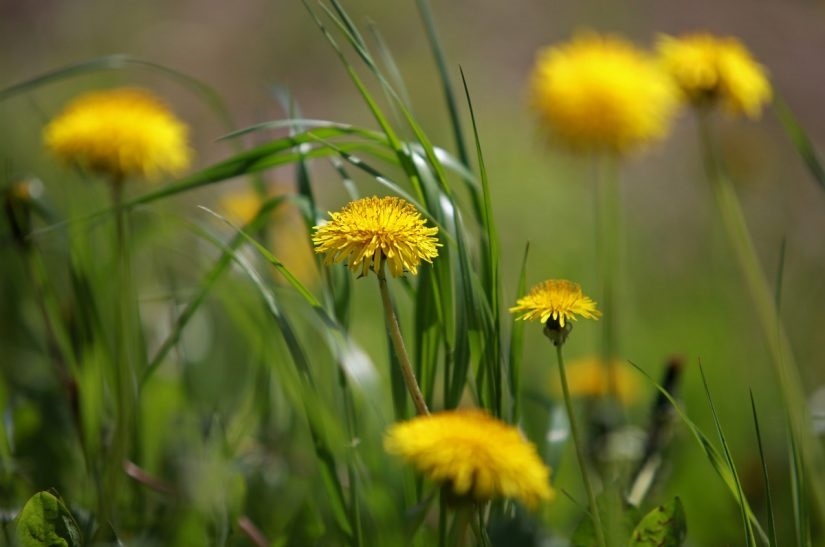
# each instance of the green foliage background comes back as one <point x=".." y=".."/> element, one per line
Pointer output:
<point x="249" y="414"/>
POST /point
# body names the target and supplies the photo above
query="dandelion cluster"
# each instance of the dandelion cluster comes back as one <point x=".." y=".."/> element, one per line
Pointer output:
<point x="711" y="69"/>
<point x="119" y="132"/>
<point x="475" y="454"/>
<point x="370" y="231"/>
<point x="601" y="93"/>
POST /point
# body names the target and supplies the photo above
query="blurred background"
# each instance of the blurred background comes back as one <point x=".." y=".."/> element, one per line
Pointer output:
<point x="681" y="292"/>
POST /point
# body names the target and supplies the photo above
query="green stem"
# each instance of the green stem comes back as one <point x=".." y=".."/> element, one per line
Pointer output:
<point x="398" y="345"/>
<point x="787" y="372"/>
<point x="122" y="368"/>
<point x="577" y="442"/>
<point x="608" y="206"/>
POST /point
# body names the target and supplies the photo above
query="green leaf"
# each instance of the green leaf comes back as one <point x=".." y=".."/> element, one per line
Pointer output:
<point x="665" y="526"/>
<point x="45" y="520"/>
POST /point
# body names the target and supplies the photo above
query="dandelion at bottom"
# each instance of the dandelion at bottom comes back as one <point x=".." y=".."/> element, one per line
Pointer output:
<point x="477" y="455"/>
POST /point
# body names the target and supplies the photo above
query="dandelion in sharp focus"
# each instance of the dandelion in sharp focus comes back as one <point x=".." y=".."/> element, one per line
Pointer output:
<point x="711" y="69"/>
<point x="119" y="132"/>
<point x="476" y="455"/>
<point x="601" y="93"/>
<point x="370" y="231"/>
<point x="556" y="299"/>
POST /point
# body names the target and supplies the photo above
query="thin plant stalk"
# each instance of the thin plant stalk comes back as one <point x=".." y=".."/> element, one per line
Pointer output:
<point x="784" y="364"/>
<point x="399" y="347"/>
<point x="608" y="206"/>
<point x="123" y="369"/>
<point x="577" y="442"/>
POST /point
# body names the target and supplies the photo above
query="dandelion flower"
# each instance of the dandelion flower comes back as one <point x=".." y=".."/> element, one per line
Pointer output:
<point x="477" y="455"/>
<point x="558" y="299"/>
<point x="589" y="377"/>
<point x="119" y="132"/>
<point x="601" y="93"/>
<point x="370" y="231"/>
<point x="711" y="69"/>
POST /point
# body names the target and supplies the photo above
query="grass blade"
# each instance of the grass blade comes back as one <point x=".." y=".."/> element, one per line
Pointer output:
<point x="719" y="464"/>
<point x="801" y="141"/>
<point x="740" y="495"/>
<point x="441" y="63"/>
<point x="768" y="497"/>
<point x="516" y="352"/>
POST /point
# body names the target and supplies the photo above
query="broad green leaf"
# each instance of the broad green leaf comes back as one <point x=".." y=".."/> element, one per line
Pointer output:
<point x="45" y="520"/>
<point x="665" y="526"/>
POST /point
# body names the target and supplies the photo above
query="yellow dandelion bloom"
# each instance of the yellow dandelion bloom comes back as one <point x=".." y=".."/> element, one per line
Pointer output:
<point x="599" y="92"/>
<point x="119" y="132"/>
<point x="589" y="377"/>
<point x="477" y="455"/>
<point x="712" y="69"/>
<point x="558" y="299"/>
<point x="370" y="231"/>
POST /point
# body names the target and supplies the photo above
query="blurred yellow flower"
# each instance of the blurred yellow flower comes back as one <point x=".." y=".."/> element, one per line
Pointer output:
<point x="712" y="69"/>
<point x="559" y="299"/>
<point x="241" y="206"/>
<point x="589" y="377"/>
<point x="599" y="92"/>
<point x="477" y="455"/>
<point x="370" y="231"/>
<point x="119" y="132"/>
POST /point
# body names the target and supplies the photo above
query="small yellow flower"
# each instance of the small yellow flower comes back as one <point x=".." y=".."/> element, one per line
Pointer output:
<point x="119" y="132"/>
<point x="712" y="69"/>
<point x="477" y="455"/>
<point x="370" y="231"/>
<point x="599" y="92"/>
<point x="589" y="377"/>
<point x="558" y="299"/>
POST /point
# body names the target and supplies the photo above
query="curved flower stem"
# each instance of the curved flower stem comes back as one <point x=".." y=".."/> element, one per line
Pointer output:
<point x="577" y="442"/>
<point x="782" y="358"/>
<point x="398" y="345"/>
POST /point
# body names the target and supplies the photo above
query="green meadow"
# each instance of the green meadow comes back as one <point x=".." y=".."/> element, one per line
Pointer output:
<point x="218" y="325"/>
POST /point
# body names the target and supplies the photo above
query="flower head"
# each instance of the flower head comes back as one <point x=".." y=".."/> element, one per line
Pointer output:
<point x="556" y="299"/>
<point x="119" y="132"/>
<point x="589" y="377"/>
<point x="370" y="231"/>
<point x="599" y="92"/>
<point x="477" y="455"/>
<point x="712" y="69"/>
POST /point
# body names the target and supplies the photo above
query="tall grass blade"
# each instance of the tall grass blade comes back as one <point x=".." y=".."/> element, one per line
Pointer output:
<point x="209" y="280"/>
<point x="719" y="463"/>
<point x="449" y="96"/>
<point x="740" y="495"/>
<point x="768" y="496"/>
<point x="799" y="493"/>
<point x="516" y="350"/>
<point x="801" y="141"/>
